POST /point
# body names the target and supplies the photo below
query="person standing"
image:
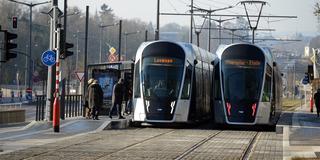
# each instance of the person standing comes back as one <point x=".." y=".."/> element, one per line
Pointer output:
<point x="317" y="101"/>
<point x="95" y="99"/>
<point x="0" y="95"/>
<point x="20" y="95"/>
<point x="117" y="95"/>
<point x="12" y="96"/>
<point x="129" y="101"/>
<point x="86" y="104"/>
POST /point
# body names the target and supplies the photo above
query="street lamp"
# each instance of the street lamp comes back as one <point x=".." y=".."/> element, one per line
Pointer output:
<point x="101" y="37"/>
<point x="126" y="34"/>
<point x="30" y="5"/>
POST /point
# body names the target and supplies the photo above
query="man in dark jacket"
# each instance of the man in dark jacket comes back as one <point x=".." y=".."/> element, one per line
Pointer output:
<point x="95" y="98"/>
<point x="317" y="101"/>
<point x="117" y="95"/>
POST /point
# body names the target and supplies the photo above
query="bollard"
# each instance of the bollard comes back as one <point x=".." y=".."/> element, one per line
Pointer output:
<point x="311" y="104"/>
<point x="56" y="115"/>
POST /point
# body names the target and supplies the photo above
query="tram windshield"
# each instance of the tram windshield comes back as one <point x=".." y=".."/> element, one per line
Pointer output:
<point x="161" y="77"/>
<point x="242" y="80"/>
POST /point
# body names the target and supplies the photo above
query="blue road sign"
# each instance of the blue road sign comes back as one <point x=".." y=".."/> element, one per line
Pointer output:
<point x="48" y="58"/>
<point x="305" y="81"/>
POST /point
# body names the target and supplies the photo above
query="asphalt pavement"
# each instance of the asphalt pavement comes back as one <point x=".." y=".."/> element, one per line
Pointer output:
<point x="301" y="133"/>
<point x="41" y="133"/>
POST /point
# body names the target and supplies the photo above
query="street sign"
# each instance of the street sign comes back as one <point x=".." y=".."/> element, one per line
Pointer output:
<point x="112" y="57"/>
<point x="59" y="12"/>
<point x="48" y="58"/>
<point x="80" y="75"/>
<point x="112" y="50"/>
<point x="313" y="58"/>
<point x="29" y="94"/>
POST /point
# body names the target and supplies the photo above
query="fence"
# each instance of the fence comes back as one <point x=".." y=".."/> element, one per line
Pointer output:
<point x="40" y="107"/>
<point x="70" y="106"/>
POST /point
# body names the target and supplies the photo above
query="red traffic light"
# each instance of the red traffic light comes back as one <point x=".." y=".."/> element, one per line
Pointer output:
<point x="14" y="22"/>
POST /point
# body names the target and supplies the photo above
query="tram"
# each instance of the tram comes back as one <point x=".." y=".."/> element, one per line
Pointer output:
<point x="172" y="83"/>
<point x="250" y="86"/>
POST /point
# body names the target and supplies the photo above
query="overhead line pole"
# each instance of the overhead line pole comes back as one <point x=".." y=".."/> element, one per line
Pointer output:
<point x="85" y="62"/>
<point x="119" y="48"/>
<point x="158" y="21"/>
<point x="191" y="22"/>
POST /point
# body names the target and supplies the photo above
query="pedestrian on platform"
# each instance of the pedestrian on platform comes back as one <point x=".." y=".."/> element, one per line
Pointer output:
<point x="20" y="95"/>
<point x="129" y="101"/>
<point x="1" y="95"/>
<point x="117" y="95"/>
<point x="12" y="96"/>
<point x="317" y="101"/>
<point x="86" y="104"/>
<point x="95" y="99"/>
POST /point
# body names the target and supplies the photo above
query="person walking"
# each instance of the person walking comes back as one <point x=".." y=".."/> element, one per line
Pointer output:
<point x="317" y="101"/>
<point x="117" y="95"/>
<point x="95" y="99"/>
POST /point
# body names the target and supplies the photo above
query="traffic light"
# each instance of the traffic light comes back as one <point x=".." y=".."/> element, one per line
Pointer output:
<point x="310" y="72"/>
<point x="8" y="45"/>
<point x="64" y="46"/>
<point x="14" y="22"/>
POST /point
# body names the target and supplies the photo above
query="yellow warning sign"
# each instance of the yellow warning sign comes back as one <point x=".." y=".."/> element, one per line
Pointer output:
<point x="112" y="50"/>
<point x="312" y="59"/>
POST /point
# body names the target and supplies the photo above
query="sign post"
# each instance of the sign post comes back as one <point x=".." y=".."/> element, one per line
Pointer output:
<point x="80" y="76"/>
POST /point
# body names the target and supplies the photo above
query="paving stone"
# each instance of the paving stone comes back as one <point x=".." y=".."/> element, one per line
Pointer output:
<point x="155" y="144"/>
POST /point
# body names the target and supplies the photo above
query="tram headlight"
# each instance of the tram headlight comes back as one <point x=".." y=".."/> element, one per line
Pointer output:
<point x="147" y="105"/>
<point x="172" y="106"/>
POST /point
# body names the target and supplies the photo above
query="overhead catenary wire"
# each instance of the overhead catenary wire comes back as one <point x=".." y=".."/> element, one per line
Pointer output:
<point x="174" y="8"/>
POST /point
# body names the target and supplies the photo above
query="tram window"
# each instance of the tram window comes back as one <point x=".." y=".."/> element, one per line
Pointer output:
<point x="137" y="93"/>
<point x="267" y="89"/>
<point x="187" y="83"/>
<point x="161" y="78"/>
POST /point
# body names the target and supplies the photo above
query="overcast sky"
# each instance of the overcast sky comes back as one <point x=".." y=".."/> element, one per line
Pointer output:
<point x="146" y="10"/>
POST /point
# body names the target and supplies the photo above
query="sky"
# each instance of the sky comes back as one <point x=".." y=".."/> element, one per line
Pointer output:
<point x="145" y="10"/>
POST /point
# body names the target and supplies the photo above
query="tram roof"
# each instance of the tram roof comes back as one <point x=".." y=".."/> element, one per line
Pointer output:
<point x="190" y="49"/>
<point x="266" y="51"/>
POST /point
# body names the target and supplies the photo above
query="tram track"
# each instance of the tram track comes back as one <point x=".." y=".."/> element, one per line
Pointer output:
<point x="197" y="145"/>
<point x="251" y="146"/>
<point x="140" y="142"/>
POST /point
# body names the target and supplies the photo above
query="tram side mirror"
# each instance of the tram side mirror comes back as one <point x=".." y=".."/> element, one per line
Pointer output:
<point x="274" y="64"/>
<point x="195" y="62"/>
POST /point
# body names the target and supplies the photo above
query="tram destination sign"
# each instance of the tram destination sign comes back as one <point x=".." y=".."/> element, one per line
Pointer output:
<point x="242" y="62"/>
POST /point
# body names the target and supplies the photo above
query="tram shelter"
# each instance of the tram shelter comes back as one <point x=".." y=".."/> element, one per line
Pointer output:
<point x="108" y="75"/>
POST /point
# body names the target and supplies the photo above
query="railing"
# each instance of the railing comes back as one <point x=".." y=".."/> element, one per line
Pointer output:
<point x="70" y="106"/>
<point x="41" y="103"/>
<point x="73" y="106"/>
